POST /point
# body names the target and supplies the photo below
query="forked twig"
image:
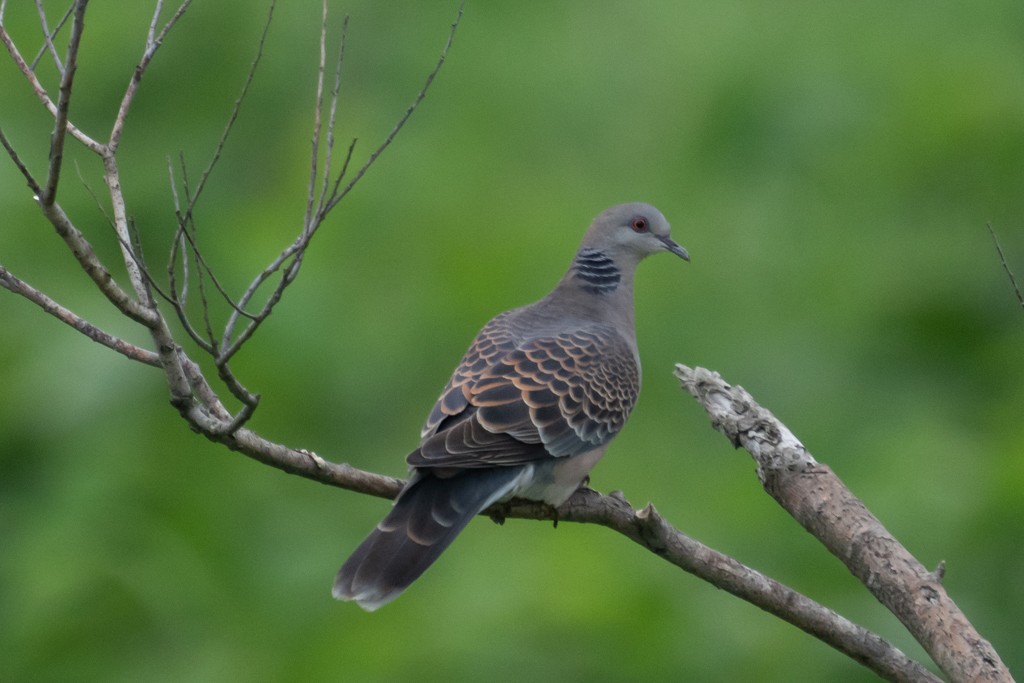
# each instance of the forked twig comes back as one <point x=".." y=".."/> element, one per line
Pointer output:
<point x="153" y="43"/>
<point x="335" y="96"/>
<point x="37" y="87"/>
<point x="48" y="36"/>
<point x="232" y="118"/>
<point x="290" y="259"/>
<point x="338" y="196"/>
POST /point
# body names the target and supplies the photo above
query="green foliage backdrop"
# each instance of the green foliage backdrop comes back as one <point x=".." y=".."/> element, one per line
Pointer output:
<point x="831" y="168"/>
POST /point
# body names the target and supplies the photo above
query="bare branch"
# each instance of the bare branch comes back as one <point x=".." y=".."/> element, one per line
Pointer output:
<point x="135" y="269"/>
<point x="314" y="165"/>
<point x="1002" y="260"/>
<point x="177" y="247"/>
<point x="249" y="400"/>
<point x="49" y="194"/>
<point x="181" y="244"/>
<point x="185" y="215"/>
<point x="294" y="253"/>
<point x="202" y="272"/>
<point x="41" y="93"/>
<point x="32" y="183"/>
<point x="650" y="530"/>
<point x="219" y="149"/>
<point x="190" y="236"/>
<point x="335" y="96"/>
<point x="402" y="121"/>
<point x="229" y="346"/>
<point x="153" y="43"/>
<point x="151" y="34"/>
<point x="95" y="197"/>
<point x="645" y="527"/>
<point x="94" y="268"/>
<point x="820" y="502"/>
<point x="48" y="37"/>
<point x="9" y="282"/>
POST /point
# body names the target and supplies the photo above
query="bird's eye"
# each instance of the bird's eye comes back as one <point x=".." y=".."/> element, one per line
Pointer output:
<point x="639" y="224"/>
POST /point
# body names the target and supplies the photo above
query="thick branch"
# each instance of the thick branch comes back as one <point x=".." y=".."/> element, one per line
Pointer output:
<point x="650" y="530"/>
<point x="645" y="527"/>
<point x="60" y="124"/>
<point x="94" y="268"/>
<point x="820" y="502"/>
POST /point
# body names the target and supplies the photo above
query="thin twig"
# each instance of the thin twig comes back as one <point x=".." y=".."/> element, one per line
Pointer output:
<point x="402" y="121"/>
<point x="51" y="35"/>
<point x="249" y="400"/>
<point x="293" y="254"/>
<point x="134" y="250"/>
<point x="48" y="37"/>
<point x="179" y="245"/>
<point x="335" y="96"/>
<point x="156" y="42"/>
<point x="41" y="93"/>
<point x="95" y="198"/>
<point x="314" y="165"/>
<point x="201" y="274"/>
<point x="192" y="195"/>
<point x="29" y="178"/>
<point x="152" y="45"/>
<point x="11" y="283"/>
<point x="233" y="117"/>
<point x="191" y="236"/>
<point x="1006" y="267"/>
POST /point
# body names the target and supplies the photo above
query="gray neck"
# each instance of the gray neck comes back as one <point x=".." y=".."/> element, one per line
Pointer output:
<point x="596" y="287"/>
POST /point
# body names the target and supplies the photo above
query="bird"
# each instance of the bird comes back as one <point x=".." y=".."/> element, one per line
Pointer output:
<point x="528" y="411"/>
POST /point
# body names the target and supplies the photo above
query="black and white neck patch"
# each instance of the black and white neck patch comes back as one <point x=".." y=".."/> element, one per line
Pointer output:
<point x="596" y="272"/>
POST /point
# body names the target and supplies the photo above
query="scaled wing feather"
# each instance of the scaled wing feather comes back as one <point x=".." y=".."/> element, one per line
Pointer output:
<point x="513" y="401"/>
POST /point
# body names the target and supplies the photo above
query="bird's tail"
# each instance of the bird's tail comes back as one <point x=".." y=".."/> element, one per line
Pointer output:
<point x="427" y="516"/>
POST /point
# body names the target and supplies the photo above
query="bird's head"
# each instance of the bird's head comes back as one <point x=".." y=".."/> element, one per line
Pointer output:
<point x="630" y="232"/>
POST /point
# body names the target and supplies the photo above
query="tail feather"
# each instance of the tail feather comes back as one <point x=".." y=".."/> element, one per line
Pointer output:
<point x="427" y="516"/>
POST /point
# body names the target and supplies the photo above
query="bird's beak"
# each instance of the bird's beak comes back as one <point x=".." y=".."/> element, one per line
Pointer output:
<point x="671" y="245"/>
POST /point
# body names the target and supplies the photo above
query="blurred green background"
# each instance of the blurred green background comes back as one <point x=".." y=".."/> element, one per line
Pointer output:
<point x="831" y="168"/>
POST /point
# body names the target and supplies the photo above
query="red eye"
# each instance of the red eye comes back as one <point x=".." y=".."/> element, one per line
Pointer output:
<point x="639" y="224"/>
